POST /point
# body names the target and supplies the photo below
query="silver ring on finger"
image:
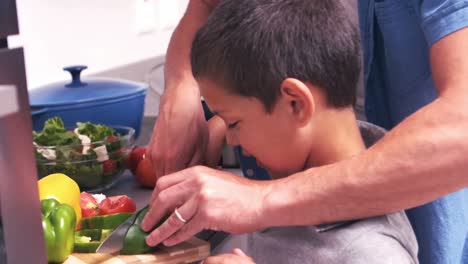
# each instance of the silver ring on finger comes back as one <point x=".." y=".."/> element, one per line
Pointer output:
<point x="179" y="216"/>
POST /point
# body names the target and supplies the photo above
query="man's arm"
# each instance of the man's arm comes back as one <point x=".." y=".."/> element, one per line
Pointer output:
<point x="421" y="159"/>
<point x="178" y="71"/>
<point x="180" y="135"/>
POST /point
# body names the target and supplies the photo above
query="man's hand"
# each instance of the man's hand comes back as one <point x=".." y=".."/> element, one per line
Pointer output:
<point x="205" y="198"/>
<point x="180" y="136"/>
<point x="236" y="257"/>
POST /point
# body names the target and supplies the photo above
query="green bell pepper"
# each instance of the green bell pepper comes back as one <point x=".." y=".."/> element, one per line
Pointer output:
<point x="88" y="240"/>
<point x="134" y="241"/>
<point x="58" y="223"/>
<point x="93" y="230"/>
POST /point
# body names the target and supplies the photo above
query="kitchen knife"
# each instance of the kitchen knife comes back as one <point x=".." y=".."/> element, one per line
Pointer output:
<point x="114" y="242"/>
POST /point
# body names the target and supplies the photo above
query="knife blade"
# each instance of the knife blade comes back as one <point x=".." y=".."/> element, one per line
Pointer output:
<point x="114" y="242"/>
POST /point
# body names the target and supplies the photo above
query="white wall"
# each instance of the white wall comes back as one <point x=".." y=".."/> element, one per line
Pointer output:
<point x="101" y="34"/>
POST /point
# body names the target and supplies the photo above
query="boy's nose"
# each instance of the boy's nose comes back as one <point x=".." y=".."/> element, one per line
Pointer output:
<point x="231" y="139"/>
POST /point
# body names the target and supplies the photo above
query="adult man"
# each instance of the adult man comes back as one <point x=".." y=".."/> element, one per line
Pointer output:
<point x="415" y="57"/>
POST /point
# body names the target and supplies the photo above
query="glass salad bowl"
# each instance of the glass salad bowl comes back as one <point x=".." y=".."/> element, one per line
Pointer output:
<point x="92" y="155"/>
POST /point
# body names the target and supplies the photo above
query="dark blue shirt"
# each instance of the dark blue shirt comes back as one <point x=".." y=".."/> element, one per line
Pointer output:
<point x="396" y="38"/>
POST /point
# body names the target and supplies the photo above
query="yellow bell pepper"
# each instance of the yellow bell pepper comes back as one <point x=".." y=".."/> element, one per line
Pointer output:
<point x="62" y="188"/>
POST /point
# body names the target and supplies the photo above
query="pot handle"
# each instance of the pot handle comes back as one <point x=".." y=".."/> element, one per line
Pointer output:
<point x="75" y="72"/>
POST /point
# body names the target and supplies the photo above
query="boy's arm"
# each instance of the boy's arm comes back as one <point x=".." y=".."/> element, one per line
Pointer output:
<point x="237" y="256"/>
<point x="217" y="135"/>
<point x="180" y="134"/>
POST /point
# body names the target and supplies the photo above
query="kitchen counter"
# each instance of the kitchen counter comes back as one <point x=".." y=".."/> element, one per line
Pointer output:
<point x="127" y="185"/>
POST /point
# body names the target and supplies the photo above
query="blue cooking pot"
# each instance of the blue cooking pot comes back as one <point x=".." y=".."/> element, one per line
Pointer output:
<point x="103" y="101"/>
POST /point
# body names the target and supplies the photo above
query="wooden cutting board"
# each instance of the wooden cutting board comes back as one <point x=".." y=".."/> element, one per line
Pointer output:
<point x="190" y="251"/>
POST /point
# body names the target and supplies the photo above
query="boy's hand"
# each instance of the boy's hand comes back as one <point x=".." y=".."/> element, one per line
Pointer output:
<point x="236" y="257"/>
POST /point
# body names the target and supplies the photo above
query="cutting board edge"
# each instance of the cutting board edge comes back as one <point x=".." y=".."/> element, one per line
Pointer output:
<point x="195" y="250"/>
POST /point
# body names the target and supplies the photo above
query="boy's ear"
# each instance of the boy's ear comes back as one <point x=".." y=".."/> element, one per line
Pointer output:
<point x="299" y="98"/>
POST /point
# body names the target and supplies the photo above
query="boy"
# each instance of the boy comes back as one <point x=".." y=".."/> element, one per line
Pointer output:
<point x="282" y="76"/>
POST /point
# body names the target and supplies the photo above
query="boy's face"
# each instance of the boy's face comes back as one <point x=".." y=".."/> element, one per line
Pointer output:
<point x="275" y="139"/>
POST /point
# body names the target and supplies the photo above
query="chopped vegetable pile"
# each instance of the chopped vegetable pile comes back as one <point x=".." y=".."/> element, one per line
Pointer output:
<point x="90" y="154"/>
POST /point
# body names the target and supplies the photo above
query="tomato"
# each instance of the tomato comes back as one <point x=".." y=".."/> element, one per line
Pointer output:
<point x="112" y="138"/>
<point x="110" y="205"/>
<point x="117" y="204"/>
<point x="89" y="205"/>
<point x="141" y="167"/>
<point x="109" y="166"/>
<point x="135" y="157"/>
<point x="145" y="174"/>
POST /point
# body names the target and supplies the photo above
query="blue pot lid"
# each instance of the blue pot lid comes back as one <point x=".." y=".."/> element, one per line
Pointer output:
<point x="79" y="91"/>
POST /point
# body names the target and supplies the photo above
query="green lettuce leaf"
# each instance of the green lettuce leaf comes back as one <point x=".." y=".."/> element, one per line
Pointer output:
<point x="54" y="133"/>
<point x="95" y="132"/>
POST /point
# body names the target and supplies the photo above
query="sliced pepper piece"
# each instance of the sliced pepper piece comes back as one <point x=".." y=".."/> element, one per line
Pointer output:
<point x="141" y="215"/>
<point x="135" y="238"/>
<point x="84" y="244"/>
<point x="58" y="223"/>
<point x="104" y="221"/>
<point x="88" y="240"/>
<point x="134" y="241"/>
<point x="94" y="234"/>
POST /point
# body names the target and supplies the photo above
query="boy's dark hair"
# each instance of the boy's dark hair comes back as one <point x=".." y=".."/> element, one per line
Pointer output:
<point x="251" y="46"/>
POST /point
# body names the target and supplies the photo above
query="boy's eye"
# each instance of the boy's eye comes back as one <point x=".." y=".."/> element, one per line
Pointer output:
<point x="233" y="125"/>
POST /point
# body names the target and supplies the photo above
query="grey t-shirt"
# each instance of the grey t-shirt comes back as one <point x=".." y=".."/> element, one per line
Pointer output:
<point x="378" y="240"/>
<point x="387" y="239"/>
